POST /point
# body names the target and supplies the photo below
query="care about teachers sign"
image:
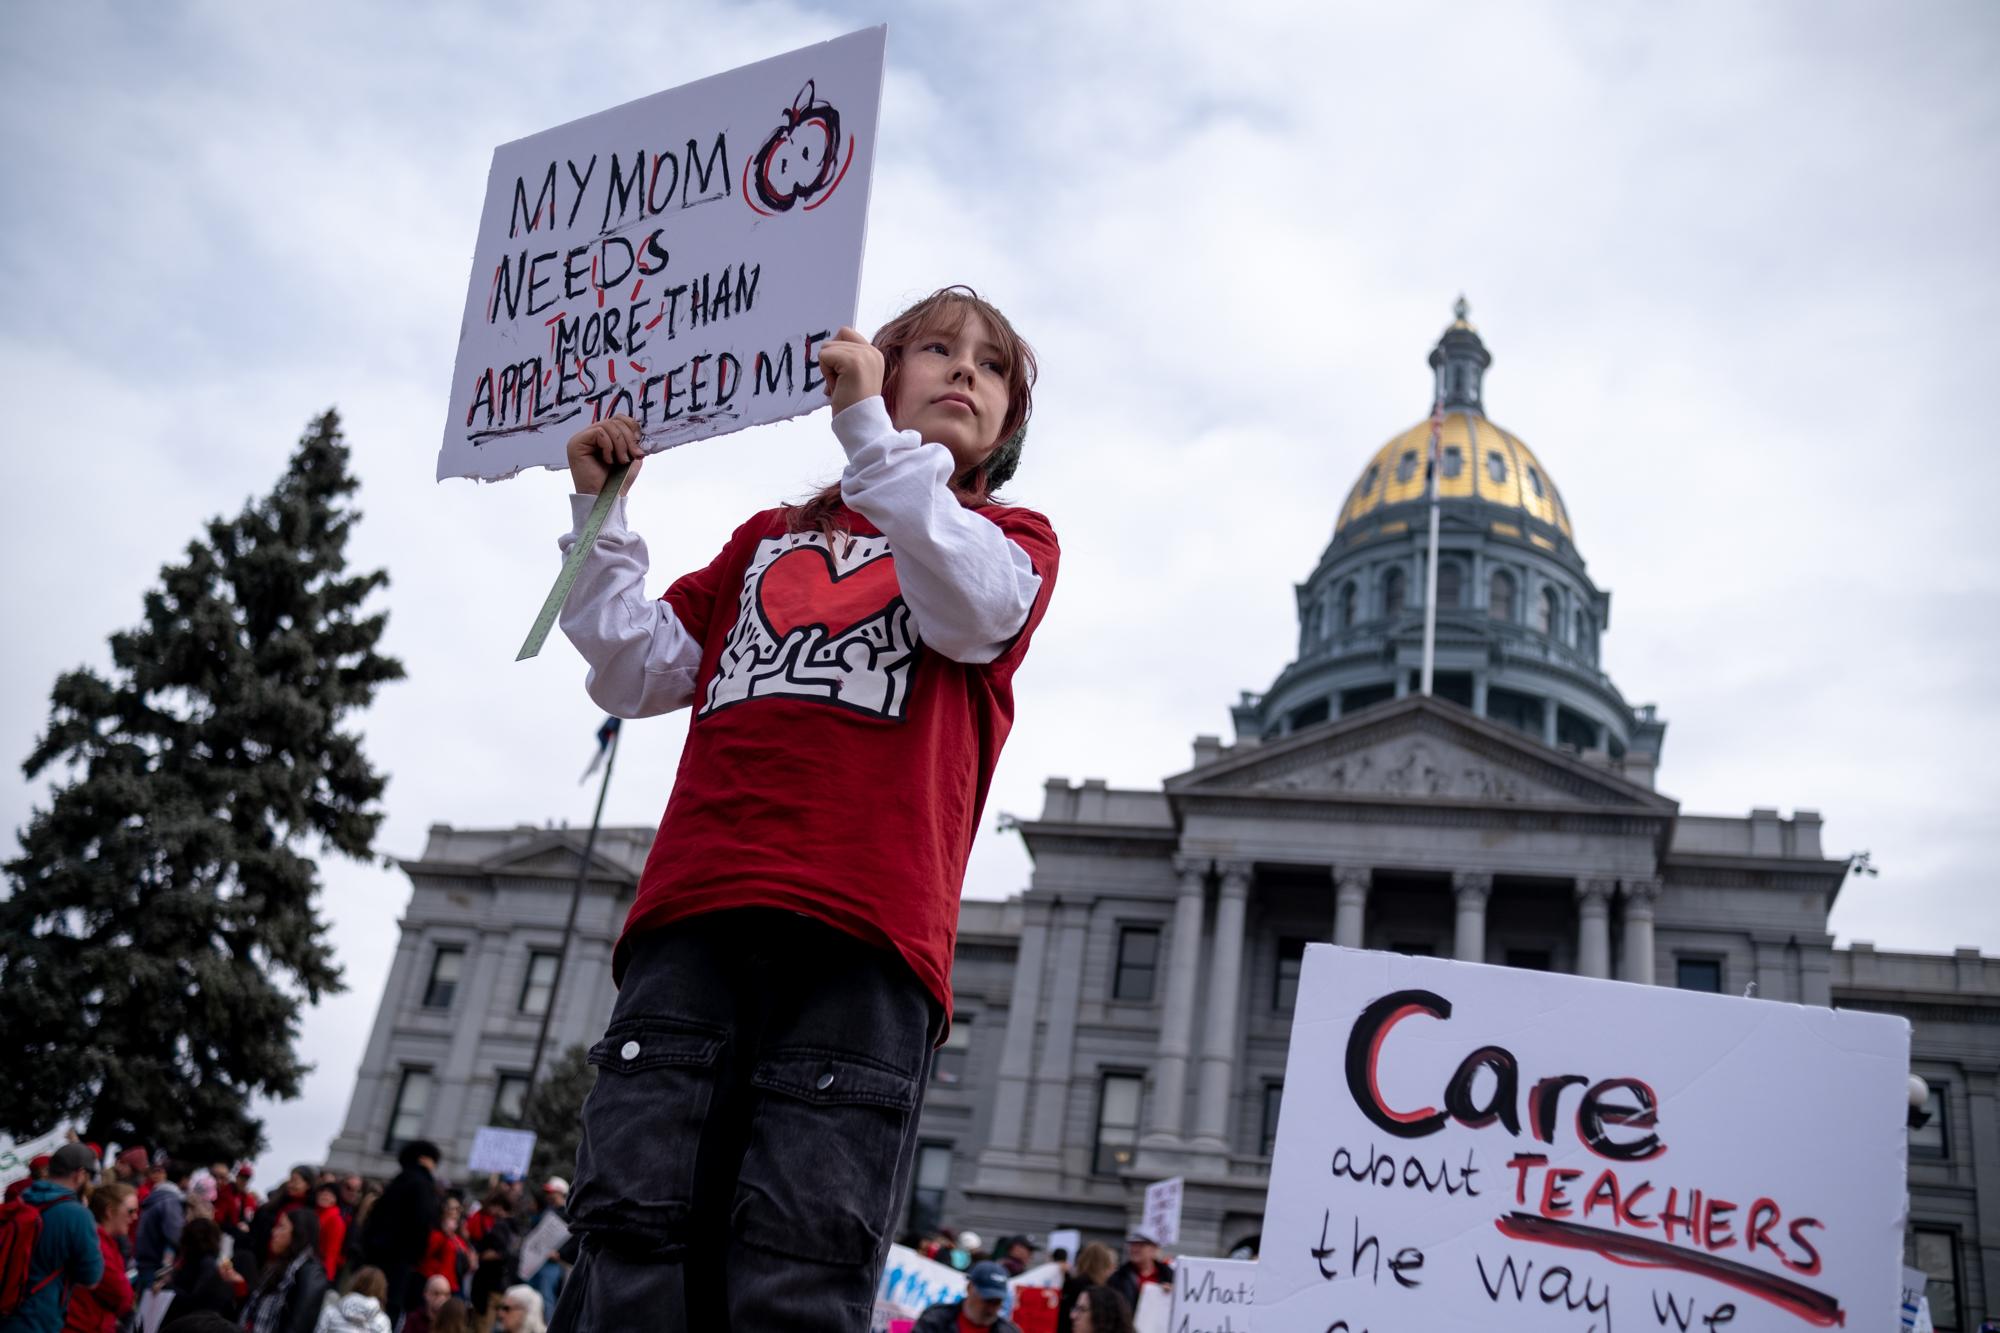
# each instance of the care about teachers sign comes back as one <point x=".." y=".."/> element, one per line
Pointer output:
<point x="1470" y="1147"/>
<point x="676" y="259"/>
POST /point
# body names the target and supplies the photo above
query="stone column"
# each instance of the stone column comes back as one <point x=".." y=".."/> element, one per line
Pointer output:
<point x="449" y="1119"/>
<point x="1471" y="888"/>
<point x="1218" y="1046"/>
<point x="1017" y="1049"/>
<point x="1052" y="1077"/>
<point x="1350" y="904"/>
<point x="1640" y="896"/>
<point x="1593" y="926"/>
<point x="1549" y="723"/>
<point x="1168" y="1118"/>
<point x="1479" y="690"/>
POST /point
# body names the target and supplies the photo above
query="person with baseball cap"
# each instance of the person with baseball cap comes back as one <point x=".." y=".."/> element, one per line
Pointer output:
<point x="985" y="1298"/>
<point x="66" y="1253"/>
<point x="1143" y="1266"/>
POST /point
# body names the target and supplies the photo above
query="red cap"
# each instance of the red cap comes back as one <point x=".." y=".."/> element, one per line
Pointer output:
<point x="38" y="1162"/>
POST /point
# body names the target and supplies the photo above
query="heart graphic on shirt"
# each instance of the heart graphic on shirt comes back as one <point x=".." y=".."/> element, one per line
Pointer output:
<point x="800" y="588"/>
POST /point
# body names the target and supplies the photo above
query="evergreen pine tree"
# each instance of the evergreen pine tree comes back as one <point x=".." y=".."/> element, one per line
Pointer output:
<point x="160" y="926"/>
<point x="554" y="1110"/>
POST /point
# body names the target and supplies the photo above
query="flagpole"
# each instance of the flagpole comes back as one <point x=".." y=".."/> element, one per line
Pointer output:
<point x="569" y="922"/>
<point x="1431" y="576"/>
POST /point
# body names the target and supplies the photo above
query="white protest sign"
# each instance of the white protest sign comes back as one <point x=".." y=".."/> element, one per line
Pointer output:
<point x="1155" y="1310"/>
<point x="1041" y="1275"/>
<point x="15" y="1154"/>
<point x="1069" y="1240"/>
<point x="504" y="1151"/>
<point x="549" y="1234"/>
<point x="912" y="1284"/>
<point x="676" y="259"/>
<point x="1472" y="1147"/>
<point x="1213" y="1295"/>
<point x="1916" y="1305"/>
<point x="1162" y="1219"/>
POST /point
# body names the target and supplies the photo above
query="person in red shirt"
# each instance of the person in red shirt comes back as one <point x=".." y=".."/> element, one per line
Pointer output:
<point x="447" y="1255"/>
<point x="784" y="971"/>
<point x="332" y="1226"/>
<point x="97" y="1309"/>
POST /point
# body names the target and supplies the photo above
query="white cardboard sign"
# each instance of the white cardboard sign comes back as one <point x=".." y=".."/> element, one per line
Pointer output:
<point x="1162" y="1220"/>
<point x="677" y="259"/>
<point x="505" y="1151"/>
<point x="1471" y="1147"/>
<point x="912" y="1284"/>
<point x="1213" y="1295"/>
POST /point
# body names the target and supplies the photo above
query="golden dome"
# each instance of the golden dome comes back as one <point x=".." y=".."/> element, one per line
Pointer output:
<point x="1480" y="461"/>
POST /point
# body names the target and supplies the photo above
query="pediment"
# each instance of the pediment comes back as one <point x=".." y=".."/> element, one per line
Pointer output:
<point x="558" y="854"/>
<point x="1418" y="750"/>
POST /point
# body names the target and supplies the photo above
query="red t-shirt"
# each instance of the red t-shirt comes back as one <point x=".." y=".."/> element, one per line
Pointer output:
<point x="835" y="765"/>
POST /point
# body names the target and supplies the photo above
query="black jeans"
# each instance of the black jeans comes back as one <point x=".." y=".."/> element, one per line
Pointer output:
<point x="747" y="1147"/>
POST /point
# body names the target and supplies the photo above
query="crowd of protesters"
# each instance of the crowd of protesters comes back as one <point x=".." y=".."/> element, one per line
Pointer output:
<point x="1098" y="1293"/>
<point x="149" y="1243"/>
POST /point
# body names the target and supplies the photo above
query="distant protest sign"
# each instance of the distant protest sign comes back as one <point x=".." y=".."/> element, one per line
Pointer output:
<point x="677" y="259"/>
<point x="1162" y="1217"/>
<point x="503" y="1151"/>
<point x="1213" y="1296"/>
<point x="1471" y="1147"/>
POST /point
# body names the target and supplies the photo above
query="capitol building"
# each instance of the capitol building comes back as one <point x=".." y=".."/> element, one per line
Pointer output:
<point x="1125" y="1018"/>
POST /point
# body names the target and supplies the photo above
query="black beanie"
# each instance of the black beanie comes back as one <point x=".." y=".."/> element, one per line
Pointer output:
<point x="1001" y="463"/>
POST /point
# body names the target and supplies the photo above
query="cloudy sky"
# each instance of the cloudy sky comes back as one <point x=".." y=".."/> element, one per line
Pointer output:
<point x="1728" y="259"/>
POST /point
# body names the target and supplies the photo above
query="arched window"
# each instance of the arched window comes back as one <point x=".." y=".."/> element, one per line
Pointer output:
<point x="1347" y="595"/>
<point x="1393" y="593"/>
<point x="1454" y="460"/>
<point x="1448" y="583"/>
<point x="1535" y="482"/>
<point x="1500" y="598"/>
<point x="1548" y="618"/>
<point x="1496" y="466"/>
<point x="1583" y="634"/>
<point x="1406" y="466"/>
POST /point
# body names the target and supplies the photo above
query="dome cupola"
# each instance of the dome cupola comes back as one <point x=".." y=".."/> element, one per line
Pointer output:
<point x="1519" y="621"/>
<point x="1460" y="360"/>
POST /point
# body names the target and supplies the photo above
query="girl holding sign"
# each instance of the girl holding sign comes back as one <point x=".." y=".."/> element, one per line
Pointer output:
<point x="784" y="972"/>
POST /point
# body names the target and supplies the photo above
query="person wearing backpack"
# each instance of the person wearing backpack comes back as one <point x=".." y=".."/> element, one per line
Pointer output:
<point x="48" y="1245"/>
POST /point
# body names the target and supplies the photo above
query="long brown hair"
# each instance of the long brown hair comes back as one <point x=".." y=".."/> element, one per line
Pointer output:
<point x="1096" y="1261"/>
<point x="944" y="311"/>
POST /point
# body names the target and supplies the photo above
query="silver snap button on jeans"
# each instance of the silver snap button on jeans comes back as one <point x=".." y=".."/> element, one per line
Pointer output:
<point x="825" y="1082"/>
<point x="629" y="1051"/>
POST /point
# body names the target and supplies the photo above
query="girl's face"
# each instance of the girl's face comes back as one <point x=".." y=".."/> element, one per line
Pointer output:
<point x="281" y="1235"/>
<point x="952" y="389"/>
<point x="449" y="1219"/>
<point x="118" y="1222"/>
<point x="1079" y="1318"/>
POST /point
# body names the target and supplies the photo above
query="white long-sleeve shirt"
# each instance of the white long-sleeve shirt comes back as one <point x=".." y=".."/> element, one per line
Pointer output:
<point x="969" y="588"/>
